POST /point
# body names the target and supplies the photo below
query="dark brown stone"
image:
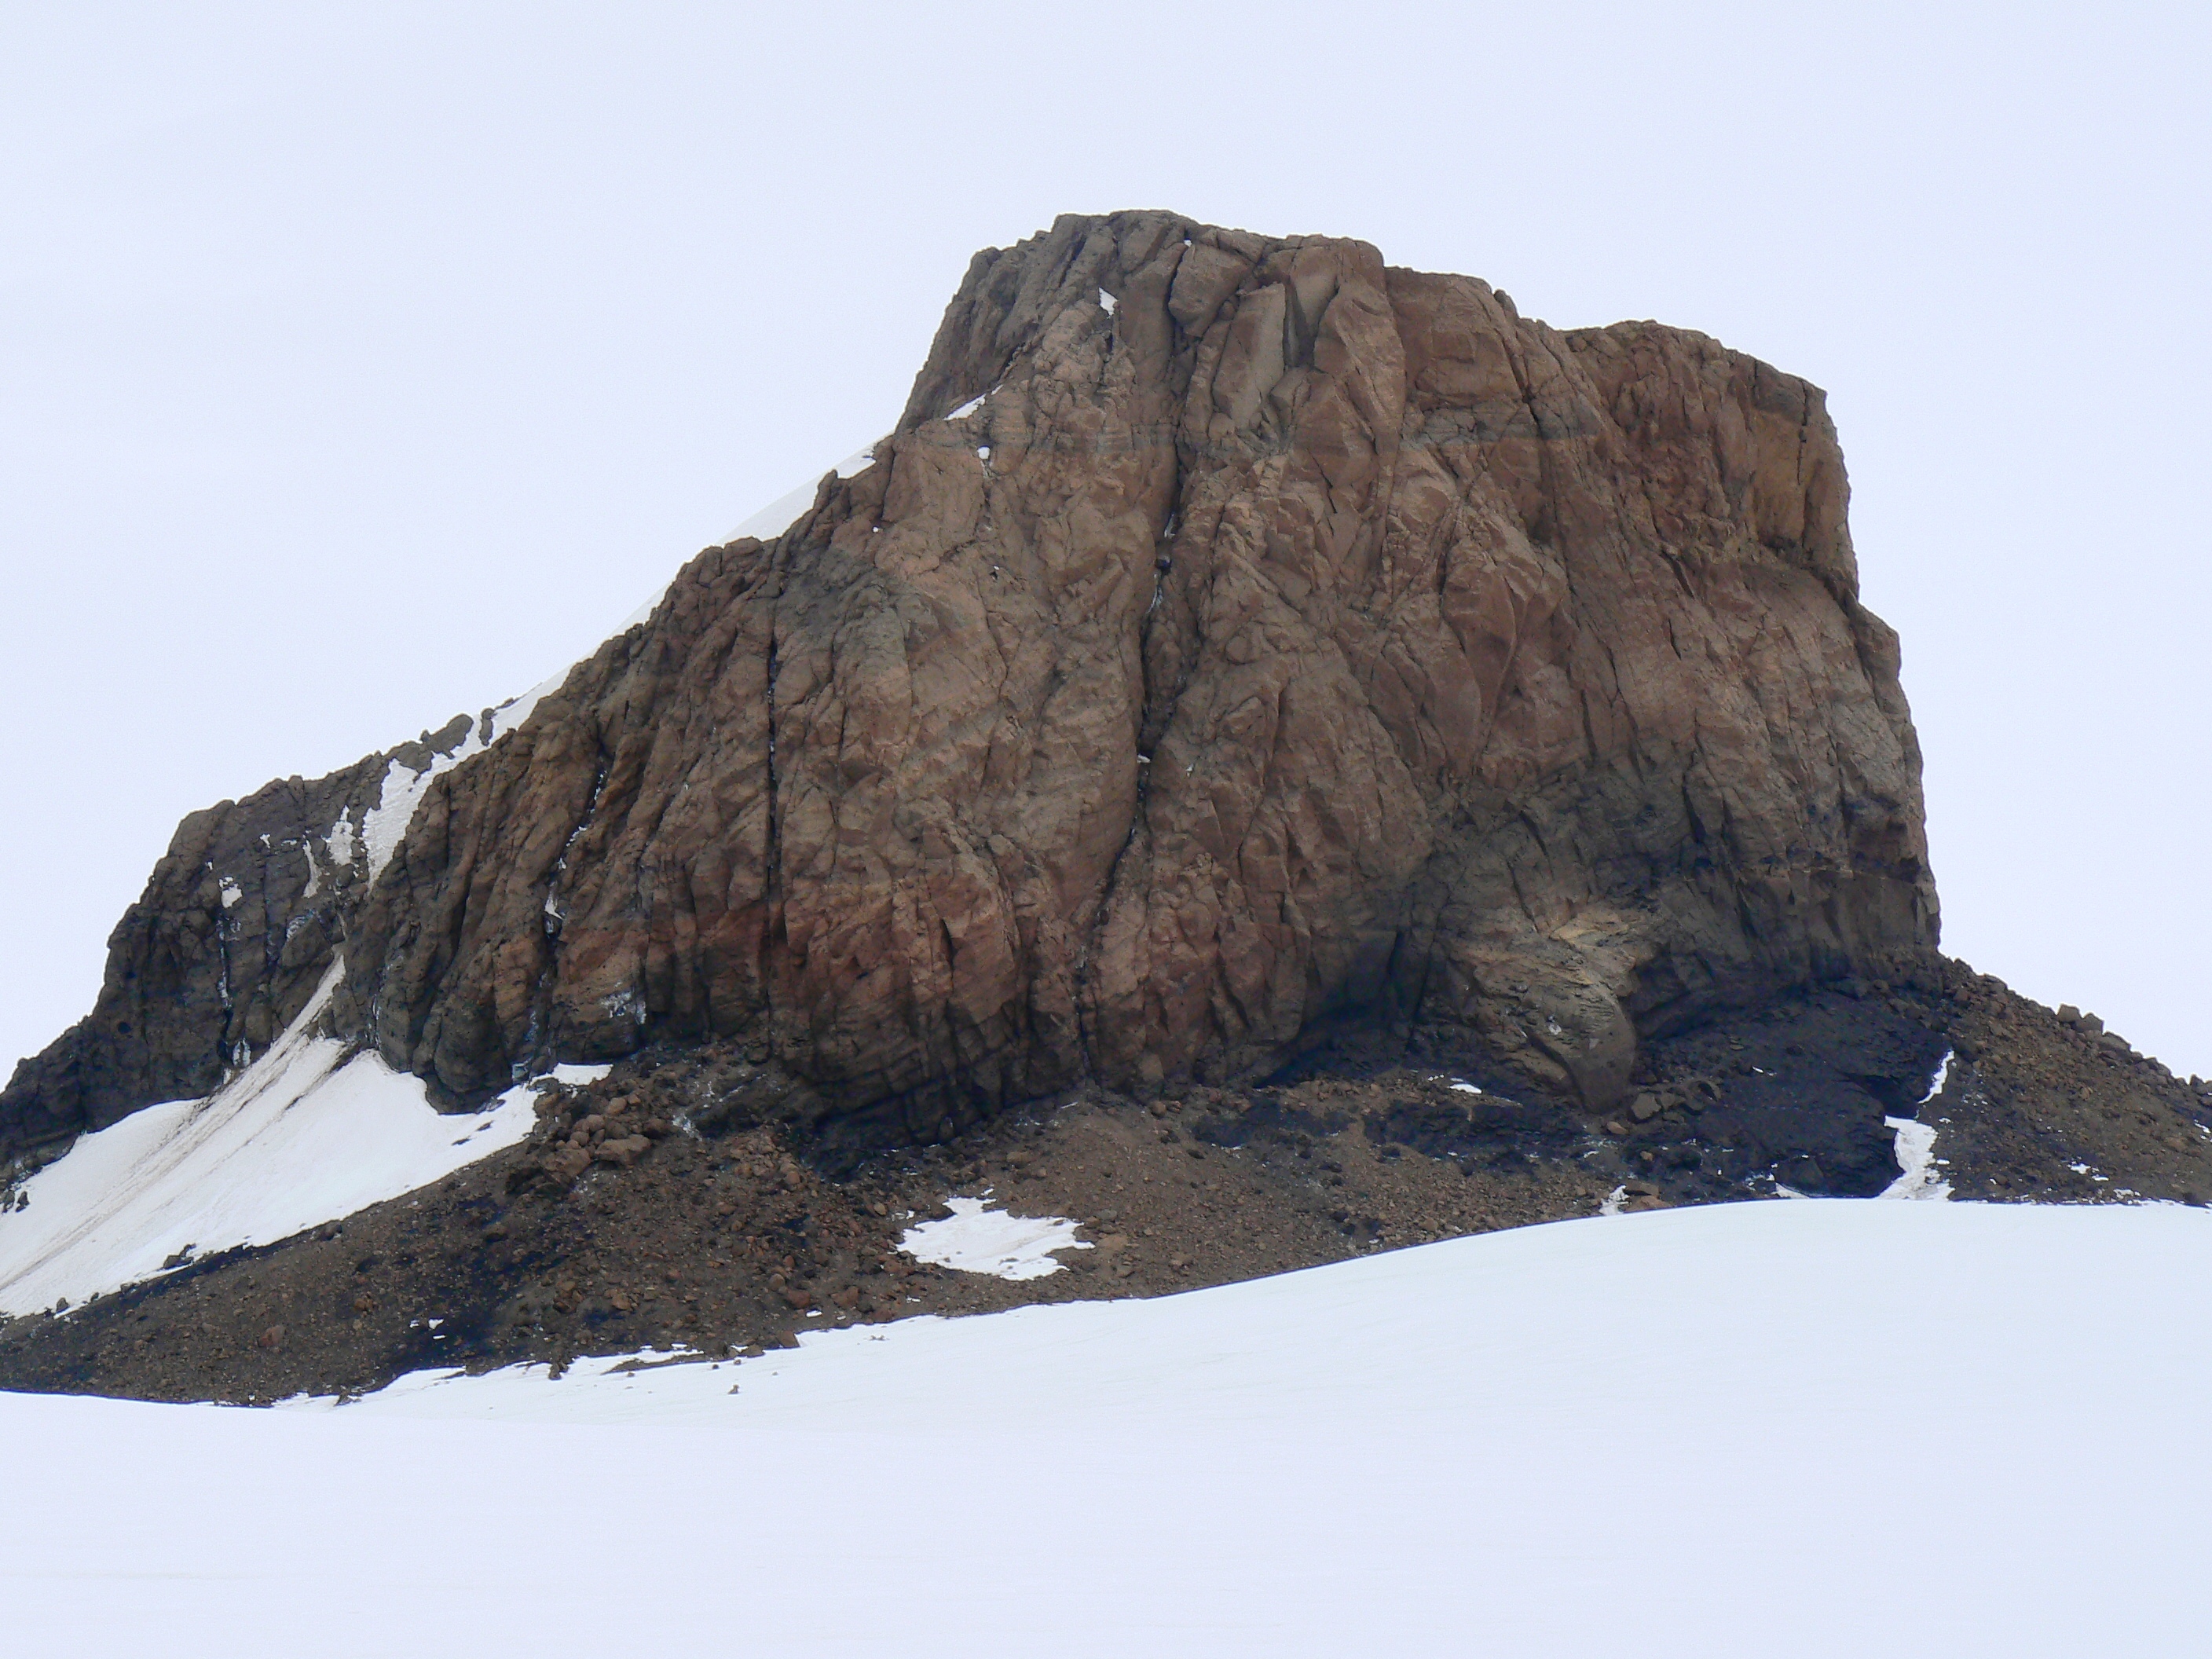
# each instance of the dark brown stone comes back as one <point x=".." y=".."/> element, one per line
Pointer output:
<point x="1316" y="639"/>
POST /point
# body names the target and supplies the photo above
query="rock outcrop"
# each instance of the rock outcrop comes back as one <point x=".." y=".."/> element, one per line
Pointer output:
<point x="239" y="923"/>
<point x="1236" y="637"/>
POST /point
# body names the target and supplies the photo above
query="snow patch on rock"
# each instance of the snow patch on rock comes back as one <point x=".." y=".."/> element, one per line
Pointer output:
<point x="977" y="1239"/>
<point x="1942" y="1076"/>
<point x="1916" y="1146"/>
<point x="302" y="1136"/>
<point x="1916" y="1157"/>
<point x="340" y="842"/>
<point x="384" y="825"/>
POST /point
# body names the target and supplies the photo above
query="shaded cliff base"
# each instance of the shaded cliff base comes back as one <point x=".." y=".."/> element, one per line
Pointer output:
<point x="708" y="1225"/>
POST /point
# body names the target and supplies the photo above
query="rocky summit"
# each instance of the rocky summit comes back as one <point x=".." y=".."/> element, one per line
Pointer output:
<point x="1237" y="642"/>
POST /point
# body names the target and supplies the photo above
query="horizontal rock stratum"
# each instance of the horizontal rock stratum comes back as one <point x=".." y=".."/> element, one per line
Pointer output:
<point x="1236" y="636"/>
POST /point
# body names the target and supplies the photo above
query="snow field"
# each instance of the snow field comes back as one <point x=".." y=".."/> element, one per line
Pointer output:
<point x="295" y="1140"/>
<point x="1828" y="1427"/>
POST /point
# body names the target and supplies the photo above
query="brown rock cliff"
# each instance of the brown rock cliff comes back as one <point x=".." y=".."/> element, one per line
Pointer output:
<point x="1282" y="639"/>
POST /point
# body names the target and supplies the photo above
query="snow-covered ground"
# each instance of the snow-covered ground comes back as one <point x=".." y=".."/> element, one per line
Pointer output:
<point x="293" y="1141"/>
<point x="1790" y="1428"/>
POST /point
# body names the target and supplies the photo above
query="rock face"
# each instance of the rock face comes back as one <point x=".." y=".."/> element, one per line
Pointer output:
<point x="1235" y="637"/>
<point x="237" y="925"/>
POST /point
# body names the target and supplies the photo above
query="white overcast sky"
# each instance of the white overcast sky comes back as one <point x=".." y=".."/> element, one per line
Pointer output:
<point x="361" y="365"/>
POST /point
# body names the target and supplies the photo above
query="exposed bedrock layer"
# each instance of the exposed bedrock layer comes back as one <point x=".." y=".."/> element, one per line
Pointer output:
<point x="1282" y="638"/>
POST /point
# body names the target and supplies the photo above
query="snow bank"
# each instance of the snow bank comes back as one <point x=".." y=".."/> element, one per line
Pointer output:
<point x="1815" y="1429"/>
<point x="295" y="1140"/>
<point x="977" y="1239"/>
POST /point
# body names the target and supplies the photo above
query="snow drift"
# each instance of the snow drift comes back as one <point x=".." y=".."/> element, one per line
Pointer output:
<point x="303" y="1136"/>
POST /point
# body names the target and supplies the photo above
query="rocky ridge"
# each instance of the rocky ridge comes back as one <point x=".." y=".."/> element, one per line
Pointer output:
<point x="1238" y="642"/>
<point x="240" y="922"/>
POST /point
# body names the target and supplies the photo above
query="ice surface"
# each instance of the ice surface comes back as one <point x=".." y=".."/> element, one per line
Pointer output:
<point x="1830" y="1429"/>
<point x="977" y="1239"/>
<point x="1106" y="302"/>
<point x="293" y="1141"/>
